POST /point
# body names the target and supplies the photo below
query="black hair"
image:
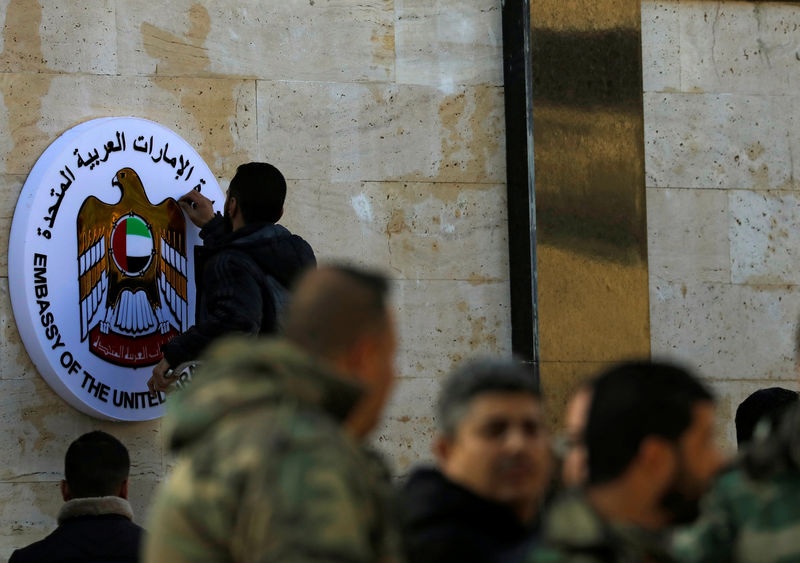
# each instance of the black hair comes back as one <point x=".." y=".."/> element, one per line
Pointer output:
<point x="96" y="465"/>
<point x="476" y="377"/>
<point x="770" y="404"/>
<point x="631" y="402"/>
<point x="260" y="191"/>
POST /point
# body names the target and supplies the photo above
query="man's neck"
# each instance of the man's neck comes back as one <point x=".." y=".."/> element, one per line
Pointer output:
<point x="617" y="502"/>
<point x="526" y="511"/>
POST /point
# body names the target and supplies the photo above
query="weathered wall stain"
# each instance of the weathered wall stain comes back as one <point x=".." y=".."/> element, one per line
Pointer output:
<point x="23" y="93"/>
<point x="472" y="131"/>
<point x="480" y="336"/>
<point x="212" y="105"/>
<point x="384" y="53"/>
<point x="36" y="415"/>
<point x="397" y="223"/>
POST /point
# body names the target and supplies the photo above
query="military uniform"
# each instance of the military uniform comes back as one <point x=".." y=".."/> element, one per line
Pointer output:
<point x="753" y="511"/>
<point x="265" y="471"/>
<point x="574" y="533"/>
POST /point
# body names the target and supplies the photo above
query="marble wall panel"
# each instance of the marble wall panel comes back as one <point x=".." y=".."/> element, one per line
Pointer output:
<point x="718" y="141"/>
<point x="726" y="331"/>
<point x="39" y="426"/>
<point x="764" y="237"/>
<point x="740" y="47"/>
<point x="79" y="37"/>
<point x="408" y="427"/>
<point x="378" y="132"/>
<point x="10" y="187"/>
<point x="441" y="323"/>
<point x="448" y="231"/>
<point x="688" y="235"/>
<point x="661" y="47"/>
<point x="342" y="41"/>
<point x="27" y="514"/>
<point x="58" y="36"/>
<point x="410" y="230"/>
<point x="216" y="116"/>
<point x="14" y="360"/>
<point x="443" y="44"/>
<point x="342" y="221"/>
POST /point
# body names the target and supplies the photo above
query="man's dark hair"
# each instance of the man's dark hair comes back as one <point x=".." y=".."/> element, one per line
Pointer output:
<point x="96" y="464"/>
<point x="634" y="401"/>
<point x="260" y="190"/>
<point x="769" y="404"/>
<point x="474" y="378"/>
<point x="333" y="306"/>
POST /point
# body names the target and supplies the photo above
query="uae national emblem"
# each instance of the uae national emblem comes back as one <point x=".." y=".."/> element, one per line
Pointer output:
<point x="132" y="273"/>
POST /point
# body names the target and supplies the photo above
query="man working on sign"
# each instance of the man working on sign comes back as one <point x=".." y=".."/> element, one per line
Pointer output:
<point x="244" y="267"/>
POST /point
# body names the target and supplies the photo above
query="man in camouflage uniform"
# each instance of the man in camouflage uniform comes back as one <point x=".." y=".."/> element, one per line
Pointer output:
<point x="651" y="455"/>
<point x="753" y="511"/>
<point x="270" y="465"/>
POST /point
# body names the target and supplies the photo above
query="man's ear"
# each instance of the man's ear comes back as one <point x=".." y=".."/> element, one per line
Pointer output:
<point x="279" y="216"/>
<point x="359" y="355"/>
<point x="123" y="490"/>
<point x="441" y="447"/>
<point x="66" y="494"/>
<point x="233" y="206"/>
<point x="657" y="458"/>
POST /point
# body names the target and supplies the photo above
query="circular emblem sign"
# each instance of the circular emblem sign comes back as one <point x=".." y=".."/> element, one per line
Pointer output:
<point x="101" y="261"/>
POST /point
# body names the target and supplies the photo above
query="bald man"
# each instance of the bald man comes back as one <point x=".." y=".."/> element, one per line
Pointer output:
<point x="270" y="465"/>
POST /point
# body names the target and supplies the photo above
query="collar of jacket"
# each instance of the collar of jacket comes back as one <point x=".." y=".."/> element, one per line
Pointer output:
<point x="574" y="526"/>
<point x="95" y="506"/>
<point x="245" y="372"/>
<point x="214" y="234"/>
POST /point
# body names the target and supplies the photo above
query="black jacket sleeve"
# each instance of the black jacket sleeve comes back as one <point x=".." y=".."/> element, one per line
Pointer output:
<point x="233" y="301"/>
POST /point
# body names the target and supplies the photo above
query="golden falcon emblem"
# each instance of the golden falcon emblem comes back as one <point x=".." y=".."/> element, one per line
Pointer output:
<point x="132" y="272"/>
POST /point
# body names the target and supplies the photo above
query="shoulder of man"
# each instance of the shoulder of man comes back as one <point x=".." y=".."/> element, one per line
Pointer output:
<point x="747" y="519"/>
<point x="574" y="533"/>
<point x="325" y="497"/>
<point x="268" y="485"/>
<point x="571" y="532"/>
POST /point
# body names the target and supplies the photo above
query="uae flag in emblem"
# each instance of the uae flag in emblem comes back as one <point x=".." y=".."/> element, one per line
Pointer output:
<point x="132" y="245"/>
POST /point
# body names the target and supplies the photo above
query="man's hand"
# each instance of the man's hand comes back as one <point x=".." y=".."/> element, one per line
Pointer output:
<point x="197" y="207"/>
<point x="159" y="381"/>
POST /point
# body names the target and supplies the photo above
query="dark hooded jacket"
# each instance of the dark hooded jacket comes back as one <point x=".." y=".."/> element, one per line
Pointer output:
<point x="443" y="521"/>
<point x="90" y="530"/>
<point x="242" y="277"/>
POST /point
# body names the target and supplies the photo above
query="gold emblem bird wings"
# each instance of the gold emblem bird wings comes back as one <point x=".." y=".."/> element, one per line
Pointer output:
<point x="132" y="263"/>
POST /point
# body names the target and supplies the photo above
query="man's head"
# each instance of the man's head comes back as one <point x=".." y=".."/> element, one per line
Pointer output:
<point x="96" y="465"/>
<point x="765" y="404"/>
<point x="492" y="440"/>
<point x="339" y="313"/>
<point x="651" y="426"/>
<point x="255" y="195"/>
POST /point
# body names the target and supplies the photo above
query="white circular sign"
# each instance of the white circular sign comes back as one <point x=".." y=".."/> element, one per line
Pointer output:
<point x="101" y="261"/>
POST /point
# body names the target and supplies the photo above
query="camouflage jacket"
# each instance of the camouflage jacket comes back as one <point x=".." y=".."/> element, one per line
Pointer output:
<point x="574" y="533"/>
<point x="265" y="471"/>
<point x="752" y="513"/>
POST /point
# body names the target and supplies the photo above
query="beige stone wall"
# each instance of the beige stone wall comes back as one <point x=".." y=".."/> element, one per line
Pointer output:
<point x="387" y="119"/>
<point x="722" y="151"/>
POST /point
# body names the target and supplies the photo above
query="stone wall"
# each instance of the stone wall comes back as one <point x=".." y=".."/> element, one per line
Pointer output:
<point x="722" y="150"/>
<point x="385" y="116"/>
